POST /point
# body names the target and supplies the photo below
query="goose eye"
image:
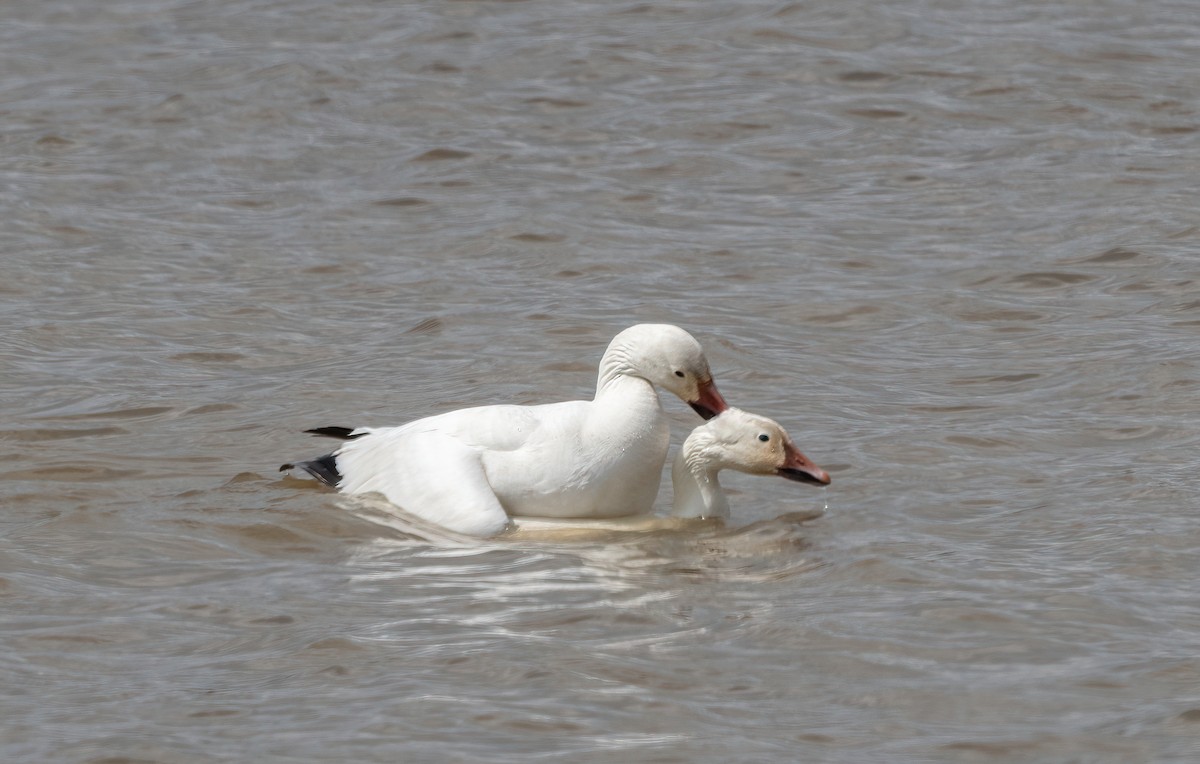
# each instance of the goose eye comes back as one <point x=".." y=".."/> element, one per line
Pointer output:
<point x="764" y="437"/>
<point x="679" y="374"/>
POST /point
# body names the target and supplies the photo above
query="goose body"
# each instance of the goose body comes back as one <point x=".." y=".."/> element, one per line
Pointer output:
<point x="470" y="470"/>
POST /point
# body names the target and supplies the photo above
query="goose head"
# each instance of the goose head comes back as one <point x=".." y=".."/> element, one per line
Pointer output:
<point x="746" y="442"/>
<point x="666" y="356"/>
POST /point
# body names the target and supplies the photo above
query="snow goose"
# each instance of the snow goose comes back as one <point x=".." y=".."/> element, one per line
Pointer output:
<point x="740" y="441"/>
<point x="469" y="470"/>
<point x="734" y="440"/>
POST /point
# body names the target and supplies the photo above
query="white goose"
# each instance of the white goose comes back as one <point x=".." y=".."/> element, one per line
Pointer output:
<point x="740" y="441"/>
<point x="469" y="470"/>
<point x="735" y="440"/>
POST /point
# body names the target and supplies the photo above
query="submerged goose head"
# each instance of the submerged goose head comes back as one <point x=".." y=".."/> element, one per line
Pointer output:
<point x="666" y="356"/>
<point x="740" y="441"/>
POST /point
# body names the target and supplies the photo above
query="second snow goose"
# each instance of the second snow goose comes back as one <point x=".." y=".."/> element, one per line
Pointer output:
<point x="740" y="441"/>
<point x="734" y="440"/>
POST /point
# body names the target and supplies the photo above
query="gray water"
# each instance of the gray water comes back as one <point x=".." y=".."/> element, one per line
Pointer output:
<point x="949" y="244"/>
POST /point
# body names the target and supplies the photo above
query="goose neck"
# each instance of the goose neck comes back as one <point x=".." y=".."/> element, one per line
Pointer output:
<point x="616" y="366"/>
<point x="698" y="492"/>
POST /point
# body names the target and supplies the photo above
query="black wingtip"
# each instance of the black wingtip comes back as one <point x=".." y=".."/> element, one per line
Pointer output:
<point x="323" y="468"/>
<point x="341" y="433"/>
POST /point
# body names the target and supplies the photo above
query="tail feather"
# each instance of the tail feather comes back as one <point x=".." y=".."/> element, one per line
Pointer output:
<point x="323" y="468"/>
<point x="341" y="433"/>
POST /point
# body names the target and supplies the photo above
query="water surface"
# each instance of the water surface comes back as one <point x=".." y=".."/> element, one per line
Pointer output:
<point x="949" y="245"/>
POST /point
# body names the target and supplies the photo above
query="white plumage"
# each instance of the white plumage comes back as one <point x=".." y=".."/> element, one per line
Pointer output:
<point x="740" y="441"/>
<point x="469" y="470"/>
